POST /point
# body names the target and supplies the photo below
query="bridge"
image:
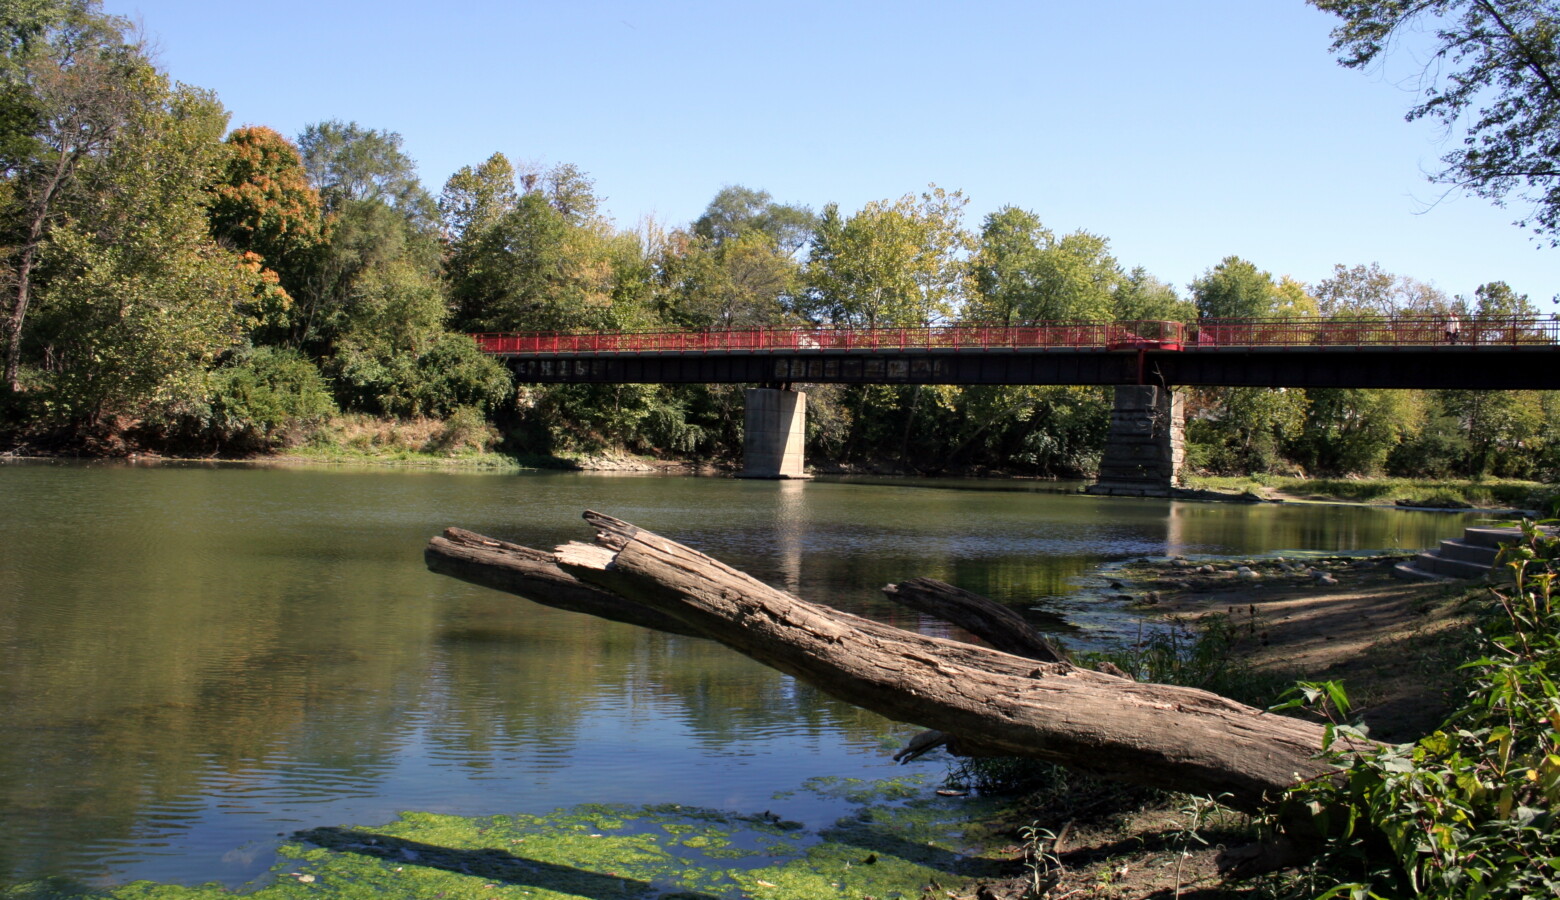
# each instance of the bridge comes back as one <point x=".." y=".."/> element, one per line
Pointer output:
<point x="1144" y="360"/>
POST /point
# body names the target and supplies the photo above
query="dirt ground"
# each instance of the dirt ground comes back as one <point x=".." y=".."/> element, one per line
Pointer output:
<point x="1394" y="644"/>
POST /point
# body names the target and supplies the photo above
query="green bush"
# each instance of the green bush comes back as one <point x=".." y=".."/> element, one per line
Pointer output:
<point x="465" y="431"/>
<point x="1469" y="811"/>
<point x="450" y="374"/>
<point x="270" y="399"/>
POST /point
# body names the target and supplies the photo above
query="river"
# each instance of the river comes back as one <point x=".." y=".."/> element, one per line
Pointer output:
<point x="196" y="660"/>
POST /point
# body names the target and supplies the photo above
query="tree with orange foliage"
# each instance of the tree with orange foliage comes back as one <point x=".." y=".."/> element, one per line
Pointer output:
<point x="264" y="205"/>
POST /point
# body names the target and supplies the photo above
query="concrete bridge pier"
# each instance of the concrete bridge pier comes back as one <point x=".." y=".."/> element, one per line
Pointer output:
<point x="1146" y="444"/>
<point x="774" y="430"/>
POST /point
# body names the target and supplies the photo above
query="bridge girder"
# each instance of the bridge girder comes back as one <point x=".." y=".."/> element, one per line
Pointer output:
<point x="1472" y="368"/>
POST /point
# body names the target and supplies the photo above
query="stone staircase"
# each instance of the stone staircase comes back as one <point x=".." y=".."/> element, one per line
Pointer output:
<point x="1471" y="557"/>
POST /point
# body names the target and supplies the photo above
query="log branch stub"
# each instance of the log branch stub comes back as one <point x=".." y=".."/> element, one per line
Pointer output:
<point x="983" y="617"/>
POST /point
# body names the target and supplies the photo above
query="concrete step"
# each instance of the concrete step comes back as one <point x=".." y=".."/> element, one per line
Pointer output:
<point x="1483" y="554"/>
<point x="1454" y="568"/>
<point x="1473" y="557"/>
<point x="1407" y="571"/>
<point x="1487" y="536"/>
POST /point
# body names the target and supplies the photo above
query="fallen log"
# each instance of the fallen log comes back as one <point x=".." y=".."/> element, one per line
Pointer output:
<point x="991" y="702"/>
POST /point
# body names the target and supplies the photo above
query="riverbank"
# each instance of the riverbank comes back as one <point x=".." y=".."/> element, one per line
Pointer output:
<point x="1408" y="493"/>
<point x="1395" y="646"/>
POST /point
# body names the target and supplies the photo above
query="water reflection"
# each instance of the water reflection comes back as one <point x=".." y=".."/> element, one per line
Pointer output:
<point x="193" y="659"/>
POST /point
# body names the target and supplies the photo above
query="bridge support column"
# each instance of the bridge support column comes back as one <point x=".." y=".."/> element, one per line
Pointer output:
<point x="774" y="430"/>
<point x="1146" y="445"/>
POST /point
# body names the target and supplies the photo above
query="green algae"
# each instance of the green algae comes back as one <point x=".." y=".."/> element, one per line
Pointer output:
<point x="900" y="839"/>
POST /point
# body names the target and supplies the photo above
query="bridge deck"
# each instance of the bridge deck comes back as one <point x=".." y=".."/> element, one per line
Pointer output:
<point x="1421" y="352"/>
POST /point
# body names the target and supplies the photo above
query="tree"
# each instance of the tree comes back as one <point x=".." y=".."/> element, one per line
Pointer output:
<point x="378" y="213"/>
<point x="1494" y="73"/>
<point x="1025" y="274"/>
<point x="263" y="201"/>
<point x="738" y="210"/>
<point x="892" y="263"/>
<point x="741" y="281"/>
<point x="141" y="301"/>
<point x="1496" y="300"/>
<point x="536" y="269"/>
<point x="1500" y="427"/>
<point x="475" y="198"/>
<point x="1354" y="431"/>
<point x="1235" y="289"/>
<point x="1140" y="296"/>
<point x="76" y="80"/>
<point x="347" y="162"/>
<point x="1238" y="431"/>
<point x="263" y="204"/>
<point x="1368" y="290"/>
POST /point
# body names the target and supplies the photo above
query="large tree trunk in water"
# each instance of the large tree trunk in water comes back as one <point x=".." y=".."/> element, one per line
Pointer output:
<point x="990" y="702"/>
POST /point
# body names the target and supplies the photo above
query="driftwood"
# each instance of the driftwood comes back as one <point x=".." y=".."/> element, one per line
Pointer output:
<point x="991" y="702"/>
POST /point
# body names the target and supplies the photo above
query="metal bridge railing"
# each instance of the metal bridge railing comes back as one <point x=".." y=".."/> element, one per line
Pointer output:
<point x="1051" y="335"/>
<point x="1382" y="331"/>
<point x="1206" y="334"/>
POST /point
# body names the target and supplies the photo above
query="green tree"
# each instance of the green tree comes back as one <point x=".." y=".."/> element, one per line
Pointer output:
<point x="1493" y="74"/>
<point x="474" y="199"/>
<point x="744" y="281"/>
<point x="74" y="82"/>
<point x="1007" y="267"/>
<point x="348" y="163"/>
<point x="1353" y="431"/>
<point x="892" y="263"/>
<point x="1142" y="297"/>
<point x="1235" y="289"/>
<point x="1238" y="431"/>
<point x="1025" y="274"/>
<point x="1368" y="290"/>
<point x="1502" y="428"/>
<point x="377" y="214"/>
<point x="738" y="210"/>
<point x="140" y="301"/>
<point x="394" y="356"/>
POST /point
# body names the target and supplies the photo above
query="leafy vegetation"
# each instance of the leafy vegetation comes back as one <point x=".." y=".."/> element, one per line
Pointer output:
<point x="172" y="289"/>
<point x="1469" y="810"/>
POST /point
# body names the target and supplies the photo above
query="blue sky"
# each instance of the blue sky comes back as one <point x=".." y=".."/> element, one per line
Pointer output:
<point x="1182" y="131"/>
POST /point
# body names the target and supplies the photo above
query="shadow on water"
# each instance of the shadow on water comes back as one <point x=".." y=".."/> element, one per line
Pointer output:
<point x="488" y="863"/>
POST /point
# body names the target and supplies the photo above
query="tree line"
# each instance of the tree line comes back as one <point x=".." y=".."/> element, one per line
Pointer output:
<point x="173" y="285"/>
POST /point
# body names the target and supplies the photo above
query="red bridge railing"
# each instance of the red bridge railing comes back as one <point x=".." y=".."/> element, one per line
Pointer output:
<point x="1055" y="335"/>
<point x="1358" y="332"/>
<point x="1207" y="334"/>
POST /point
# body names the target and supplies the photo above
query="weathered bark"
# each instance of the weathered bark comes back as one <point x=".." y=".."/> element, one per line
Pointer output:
<point x="983" y="617"/>
<point x="1163" y="736"/>
<point x="534" y="575"/>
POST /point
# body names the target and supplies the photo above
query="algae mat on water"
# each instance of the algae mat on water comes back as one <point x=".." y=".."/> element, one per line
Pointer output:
<point x="900" y="840"/>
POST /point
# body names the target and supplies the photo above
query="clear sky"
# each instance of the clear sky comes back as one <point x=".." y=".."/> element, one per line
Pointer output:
<point x="1183" y="131"/>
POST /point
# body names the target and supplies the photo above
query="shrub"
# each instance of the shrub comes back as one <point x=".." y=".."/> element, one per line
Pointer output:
<point x="272" y="398"/>
<point x="1469" y="811"/>
<point x="464" y="431"/>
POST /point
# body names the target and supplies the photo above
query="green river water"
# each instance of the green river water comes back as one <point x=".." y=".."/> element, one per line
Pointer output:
<point x="197" y="661"/>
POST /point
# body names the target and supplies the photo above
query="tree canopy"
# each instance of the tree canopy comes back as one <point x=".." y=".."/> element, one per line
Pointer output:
<point x="1493" y="74"/>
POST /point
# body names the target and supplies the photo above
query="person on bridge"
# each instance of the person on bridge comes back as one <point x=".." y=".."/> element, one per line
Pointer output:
<point x="1453" y="328"/>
